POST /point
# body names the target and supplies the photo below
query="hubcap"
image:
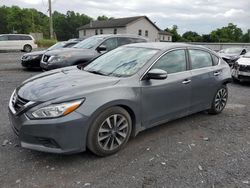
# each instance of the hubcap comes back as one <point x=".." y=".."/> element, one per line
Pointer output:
<point x="221" y="99"/>
<point x="113" y="132"/>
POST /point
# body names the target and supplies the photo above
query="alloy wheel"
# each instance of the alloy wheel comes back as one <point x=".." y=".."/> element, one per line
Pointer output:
<point x="220" y="99"/>
<point x="113" y="132"/>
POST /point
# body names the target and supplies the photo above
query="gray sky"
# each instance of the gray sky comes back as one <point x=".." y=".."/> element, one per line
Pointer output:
<point x="201" y="16"/>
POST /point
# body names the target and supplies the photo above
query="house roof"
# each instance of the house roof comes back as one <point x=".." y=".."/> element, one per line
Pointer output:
<point x="165" y="33"/>
<point x="113" y="23"/>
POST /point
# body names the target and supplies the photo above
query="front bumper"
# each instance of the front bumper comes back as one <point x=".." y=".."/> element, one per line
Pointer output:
<point x="34" y="63"/>
<point x="241" y="75"/>
<point x="63" y="135"/>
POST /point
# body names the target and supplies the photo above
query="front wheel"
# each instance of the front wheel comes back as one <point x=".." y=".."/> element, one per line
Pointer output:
<point x="110" y="131"/>
<point x="219" y="101"/>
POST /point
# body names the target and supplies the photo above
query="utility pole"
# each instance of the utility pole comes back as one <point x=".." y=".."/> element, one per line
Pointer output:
<point x="50" y="21"/>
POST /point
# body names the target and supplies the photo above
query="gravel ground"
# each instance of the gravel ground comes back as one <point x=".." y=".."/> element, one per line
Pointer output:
<point x="197" y="151"/>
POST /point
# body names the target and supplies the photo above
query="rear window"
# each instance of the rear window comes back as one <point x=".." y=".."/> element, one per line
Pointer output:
<point x="25" y="37"/>
<point x="215" y="60"/>
<point x="127" y="40"/>
<point x="200" y="59"/>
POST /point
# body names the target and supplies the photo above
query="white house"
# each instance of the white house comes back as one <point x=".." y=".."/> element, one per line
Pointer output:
<point x="139" y="25"/>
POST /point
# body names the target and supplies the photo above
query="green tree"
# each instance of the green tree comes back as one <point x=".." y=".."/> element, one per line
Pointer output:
<point x="230" y="33"/>
<point x="102" y="18"/>
<point x="192" y="36"/>
<point x="174" y="31"/>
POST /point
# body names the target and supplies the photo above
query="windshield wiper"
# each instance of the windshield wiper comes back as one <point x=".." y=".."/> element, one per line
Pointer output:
<point x="96" y="72"/>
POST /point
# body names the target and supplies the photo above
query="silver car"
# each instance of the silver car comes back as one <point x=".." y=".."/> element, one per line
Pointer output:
<point x="119" y="94"/>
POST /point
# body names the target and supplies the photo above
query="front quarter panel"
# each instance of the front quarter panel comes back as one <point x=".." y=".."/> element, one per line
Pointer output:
<point x="124" y="96"/>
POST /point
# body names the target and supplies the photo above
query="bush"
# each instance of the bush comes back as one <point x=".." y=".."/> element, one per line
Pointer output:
<point x="45" y="43"/>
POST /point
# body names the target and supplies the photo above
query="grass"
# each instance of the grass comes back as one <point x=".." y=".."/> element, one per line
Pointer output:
<point x="45" y="43"/>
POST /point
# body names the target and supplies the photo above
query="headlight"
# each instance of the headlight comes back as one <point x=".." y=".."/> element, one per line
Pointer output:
<point x="56" y="110"/>
<point x="55" y="59"/>
<point x="30" y="57"/>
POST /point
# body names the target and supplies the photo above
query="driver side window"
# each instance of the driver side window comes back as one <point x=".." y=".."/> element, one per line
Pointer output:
<point x="110" y="44"/>
<point x="172" y="62"/>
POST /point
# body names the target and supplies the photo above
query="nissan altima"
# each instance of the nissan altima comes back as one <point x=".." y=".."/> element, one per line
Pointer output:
<point x="116" y="96"/>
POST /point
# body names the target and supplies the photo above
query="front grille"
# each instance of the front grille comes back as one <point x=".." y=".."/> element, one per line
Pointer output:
<point x="18" y="102"/>
<point x="244" y="68"/>
<point x="46" y="58"/>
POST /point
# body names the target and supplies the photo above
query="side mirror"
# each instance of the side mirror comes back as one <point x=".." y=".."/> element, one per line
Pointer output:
<point x="243" y="52"/>
<point x="157" y="74"/>
<point x="101" y="48"/>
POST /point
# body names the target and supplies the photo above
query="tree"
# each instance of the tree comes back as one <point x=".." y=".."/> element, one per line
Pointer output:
<point x="231" y="33"/>
<point x="175" y="36"/>
<point x="192" y="36"/>
<point x="102" y="18"/>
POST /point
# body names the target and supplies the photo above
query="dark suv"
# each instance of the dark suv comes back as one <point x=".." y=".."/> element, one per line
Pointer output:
<point x="86" y="50"/>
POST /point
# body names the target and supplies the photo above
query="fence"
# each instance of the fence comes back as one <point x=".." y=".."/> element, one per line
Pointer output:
<point x="220" y="46"/>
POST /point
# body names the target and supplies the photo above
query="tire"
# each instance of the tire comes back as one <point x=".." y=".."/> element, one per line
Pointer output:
<point x="219" y="100"/>
<point x="105" y="137"/>
<point x="27" y="48"/>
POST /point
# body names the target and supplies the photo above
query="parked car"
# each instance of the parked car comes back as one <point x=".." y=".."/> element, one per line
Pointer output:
<point x="86" y="50"/>
<point x="77" y="39"/>
<point x="17" y="42"/>
<point x="33" y="59"/>
<point x="117" y="95"/>
<point x="241" y="69"/>
<point x="231" y="55"/>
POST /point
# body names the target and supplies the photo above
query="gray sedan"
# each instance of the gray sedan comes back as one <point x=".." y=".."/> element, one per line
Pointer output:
<point x="116" y="96"/>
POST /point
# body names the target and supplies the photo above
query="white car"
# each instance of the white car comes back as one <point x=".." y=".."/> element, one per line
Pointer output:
<point x="241" y="69"/>
<point x="17" y="42"/>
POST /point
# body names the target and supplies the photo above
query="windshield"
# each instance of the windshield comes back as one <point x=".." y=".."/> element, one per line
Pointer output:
<point x="57" y="46"/>
<point x="89" y="42"/>
<point x="121" y="62"/>
<point x="232" y="51"/>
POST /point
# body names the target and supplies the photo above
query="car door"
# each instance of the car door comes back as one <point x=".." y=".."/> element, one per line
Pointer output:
<point x="163" y="100"/>
<point x="14" y="42"/>
<point x="204" y="84"/>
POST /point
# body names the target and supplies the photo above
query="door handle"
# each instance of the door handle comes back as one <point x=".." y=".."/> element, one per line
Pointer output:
<point x="217" y="73"/>
<point x="186" y="81"/>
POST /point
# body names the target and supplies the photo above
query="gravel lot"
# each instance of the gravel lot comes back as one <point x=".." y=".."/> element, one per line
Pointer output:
<point x="197" y="151"/>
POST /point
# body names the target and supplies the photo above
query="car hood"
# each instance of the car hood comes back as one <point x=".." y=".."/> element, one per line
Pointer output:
<point x="65" y="83"/>
<point x="228" y="56"/>
<point x="244" y="61"/>
<point x="71" y="52"/>
<point x="35" y="53"/>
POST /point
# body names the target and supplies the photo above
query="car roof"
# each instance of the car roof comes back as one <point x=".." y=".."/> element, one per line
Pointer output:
<point x="17" y="34"/>
<point x="164" y="45"/>
<point x="119" y="35"/>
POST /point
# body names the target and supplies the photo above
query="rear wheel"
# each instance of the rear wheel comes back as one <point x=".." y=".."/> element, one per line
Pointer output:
<point x="27" y="48"/>
<point x="110" y="131"/>
<point x="219" y="101"/>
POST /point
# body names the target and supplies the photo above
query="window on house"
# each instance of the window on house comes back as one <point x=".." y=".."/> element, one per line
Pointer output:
<point x="96" y="32"/>
<point x="146" y="33"/>
<point x="139" y="32"/>
<point x="115" y="31"/>
<point x="168" y="38"/>
<point x="101" y="31"/>
<point x="163" y="38"/>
